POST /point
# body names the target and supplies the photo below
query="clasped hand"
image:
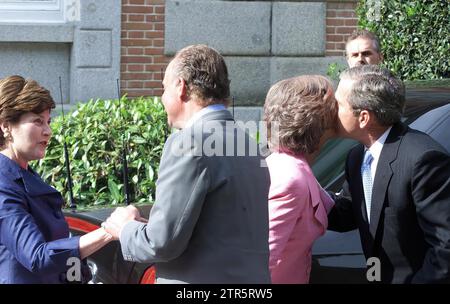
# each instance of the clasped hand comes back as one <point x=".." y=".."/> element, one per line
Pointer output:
<point x="121" y="216"/>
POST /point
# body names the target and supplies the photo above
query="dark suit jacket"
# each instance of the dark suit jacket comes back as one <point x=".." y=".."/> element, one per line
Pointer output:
<point x="34" y="237"/>
<point x="409" y="227"/>
<point x="209" y="223"/>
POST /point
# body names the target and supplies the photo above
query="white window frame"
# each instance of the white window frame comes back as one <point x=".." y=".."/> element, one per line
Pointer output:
<point x="26" y="11"/>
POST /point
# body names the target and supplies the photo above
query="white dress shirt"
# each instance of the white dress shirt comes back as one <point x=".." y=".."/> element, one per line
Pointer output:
<point x="375" y="150"/>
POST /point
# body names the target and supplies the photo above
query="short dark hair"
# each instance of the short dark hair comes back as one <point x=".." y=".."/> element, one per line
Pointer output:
<point x="303" y="108"/>
<point x="19" y="96"/>
<point x="205" y="73"/>
<point x="377" y="90"/>
<point x="362" y="33"/>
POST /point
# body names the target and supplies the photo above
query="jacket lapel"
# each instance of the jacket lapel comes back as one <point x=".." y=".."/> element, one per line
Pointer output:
<point x="357" y="191"/>
<point x="34" y="185"/>
<point x="31" y="181"/>
<point x="384" y="174"/>
<point x="320" y="211"/>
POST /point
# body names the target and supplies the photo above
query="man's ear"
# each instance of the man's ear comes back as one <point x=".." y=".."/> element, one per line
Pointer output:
<point x="381" y="57"/>
<point x="182" y="89"/>
<point x="364" y="119"/>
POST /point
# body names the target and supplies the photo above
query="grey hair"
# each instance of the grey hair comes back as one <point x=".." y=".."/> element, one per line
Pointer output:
<point x="377" y="90"/>
<point x="205" y="72"/>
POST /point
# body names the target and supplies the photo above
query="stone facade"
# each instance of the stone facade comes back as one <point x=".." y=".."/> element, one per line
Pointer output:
<point x="84" y="52"/>
<point x="262" y="41"/>
<point x="133" y="40"/>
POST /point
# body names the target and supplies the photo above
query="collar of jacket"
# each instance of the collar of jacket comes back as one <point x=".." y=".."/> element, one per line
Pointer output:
<point x="215" y="115"/>
<point x="32" y="182"/>
<point x="384" y="173"/>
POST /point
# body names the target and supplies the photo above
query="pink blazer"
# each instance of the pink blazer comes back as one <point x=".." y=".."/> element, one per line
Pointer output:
<point x="297" y="217"/>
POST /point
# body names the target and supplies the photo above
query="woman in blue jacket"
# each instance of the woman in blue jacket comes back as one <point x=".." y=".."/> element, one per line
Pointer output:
<point x="35" y="246"/>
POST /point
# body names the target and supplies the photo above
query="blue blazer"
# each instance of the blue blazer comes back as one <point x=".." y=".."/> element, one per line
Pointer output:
<point x="34" y="236"/>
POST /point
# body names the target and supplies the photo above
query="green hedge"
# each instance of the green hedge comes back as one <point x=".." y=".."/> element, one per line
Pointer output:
<point x="94" y="134"/>
<point x="414" y="36"/>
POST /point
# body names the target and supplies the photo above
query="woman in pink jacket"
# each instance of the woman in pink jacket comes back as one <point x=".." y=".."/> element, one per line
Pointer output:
<point x="301" y="114"/>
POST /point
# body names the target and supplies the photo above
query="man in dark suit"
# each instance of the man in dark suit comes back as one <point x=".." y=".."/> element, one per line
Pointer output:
<point x="397" y="189"/>
<point x="209" y="222"/>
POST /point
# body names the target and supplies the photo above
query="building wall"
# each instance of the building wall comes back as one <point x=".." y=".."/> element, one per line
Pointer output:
<point x="78" y="41"/>
<point x="142" y="47"/>
<point x="251" y="35"/>
<point x="341" y="22"/>
<point x="262" y="41"/>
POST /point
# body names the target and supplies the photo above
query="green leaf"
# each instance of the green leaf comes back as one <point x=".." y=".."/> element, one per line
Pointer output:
<point x="151" y="173"/>
<point x="139" y="140"/>
<point x="114" y="190"/>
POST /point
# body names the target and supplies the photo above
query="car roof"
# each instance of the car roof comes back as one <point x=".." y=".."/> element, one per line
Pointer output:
<point x="435" y="123"/>
<point x="421" y="100"/>
<point x="432" y="94"/>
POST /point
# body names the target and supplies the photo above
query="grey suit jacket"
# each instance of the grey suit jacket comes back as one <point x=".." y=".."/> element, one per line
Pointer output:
<point x="209" y="223"/>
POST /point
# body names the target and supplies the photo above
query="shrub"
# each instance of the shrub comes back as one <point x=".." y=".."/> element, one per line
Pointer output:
<point x="94" y="134"/>
<point x="414" y="36"/>
<point x="335" y="69"/>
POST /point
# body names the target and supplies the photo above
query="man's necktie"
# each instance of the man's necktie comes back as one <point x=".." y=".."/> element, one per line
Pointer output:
<point x="367" y="181"/>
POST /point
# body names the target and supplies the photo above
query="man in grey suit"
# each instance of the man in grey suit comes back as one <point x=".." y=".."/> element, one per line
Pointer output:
<point x="209" y="222"/>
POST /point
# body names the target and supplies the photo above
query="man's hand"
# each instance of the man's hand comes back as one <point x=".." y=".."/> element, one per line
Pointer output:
<point x="121" y="216"/>
<point x="136" y="213"/>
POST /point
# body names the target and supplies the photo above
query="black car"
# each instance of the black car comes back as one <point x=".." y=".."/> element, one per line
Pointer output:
<point x="337" y="257"/>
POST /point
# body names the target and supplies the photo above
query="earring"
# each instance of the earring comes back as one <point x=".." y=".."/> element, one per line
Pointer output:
<point x="7" y="136"/>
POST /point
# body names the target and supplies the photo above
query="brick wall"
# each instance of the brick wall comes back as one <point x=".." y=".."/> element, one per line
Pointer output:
<point x="142" y="44"/>
<point x="142" y="47"/>
<point x="341" y="22"/>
